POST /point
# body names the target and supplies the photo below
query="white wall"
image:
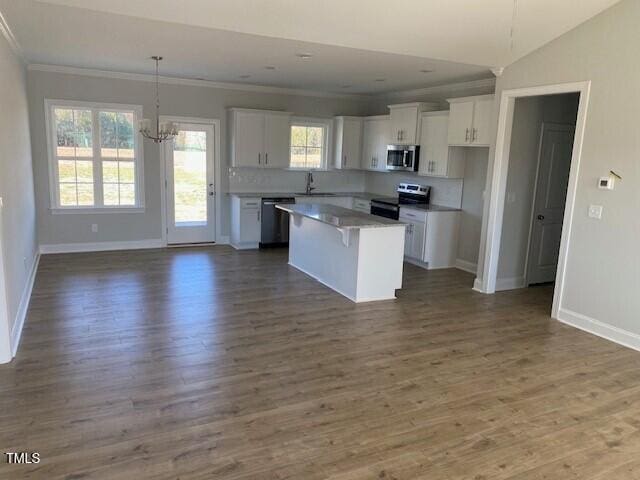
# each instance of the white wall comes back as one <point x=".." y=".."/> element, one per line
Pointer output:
<point x="529" y="114"/>
<point x="475" y="175"/>
<point x="603" y="266"/>
<point x="184" y="100"/>
<point x="18" y="225"/>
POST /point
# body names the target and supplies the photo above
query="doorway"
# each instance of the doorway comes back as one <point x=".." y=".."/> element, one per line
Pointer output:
<point x="494" y="235"/>
<point x="190" y="185"/>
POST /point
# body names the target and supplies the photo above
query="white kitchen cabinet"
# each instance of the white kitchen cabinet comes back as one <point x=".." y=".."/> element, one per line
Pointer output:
<point x="404" y="122"/>
<point x="260" y="138"/>
<point x="415" y="234"/>
<point x="470" y="121"/>
<point x="437" y="158"/>
<point x="348" y="142"/>
<point x="441" y="239"/>
<point x="361" y="205"/>
<point x="245" y="222"/>
<point x="376" y="137"/>
<point x="432" y="237"/>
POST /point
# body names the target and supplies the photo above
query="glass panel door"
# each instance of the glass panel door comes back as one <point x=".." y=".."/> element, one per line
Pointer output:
<point x="190" y="193"/>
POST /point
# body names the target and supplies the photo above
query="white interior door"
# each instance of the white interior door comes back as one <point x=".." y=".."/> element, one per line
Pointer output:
<point x="190" y="185"/>
<point x="556" y="149"/>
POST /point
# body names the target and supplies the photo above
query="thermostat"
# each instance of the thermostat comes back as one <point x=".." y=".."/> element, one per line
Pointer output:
<point x="606" y="183"/>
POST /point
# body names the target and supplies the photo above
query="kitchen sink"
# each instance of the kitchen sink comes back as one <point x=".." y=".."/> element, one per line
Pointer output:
<point x="316" y="194"/>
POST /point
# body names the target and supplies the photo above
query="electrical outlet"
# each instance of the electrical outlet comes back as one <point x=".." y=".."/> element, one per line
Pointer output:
<point x="595" y="211"/>
<point x="94" y="227"/>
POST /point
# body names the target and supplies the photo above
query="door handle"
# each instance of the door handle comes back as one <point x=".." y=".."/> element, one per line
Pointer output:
<point x="540" y="217"/>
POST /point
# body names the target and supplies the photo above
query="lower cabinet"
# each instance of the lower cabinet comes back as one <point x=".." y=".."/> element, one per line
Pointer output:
<point x="245" y="222"/>
<point x="431" y="238"/>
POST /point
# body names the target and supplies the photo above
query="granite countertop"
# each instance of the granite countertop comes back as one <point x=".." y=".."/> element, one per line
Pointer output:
<point x="431" y="208"/>
<point x="343" y="218"/>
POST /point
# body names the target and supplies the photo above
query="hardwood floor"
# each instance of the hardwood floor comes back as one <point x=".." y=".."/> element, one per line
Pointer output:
<point x="207" y="363"/>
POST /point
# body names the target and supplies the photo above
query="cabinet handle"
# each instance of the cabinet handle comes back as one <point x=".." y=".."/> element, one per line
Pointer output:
<point x="266" y="158"/>
<point x="344" y="161"/>
<point x="466" y="135"/>
<point x="258" y="159"/>
<point x="258" y="214"/>
<point x="398" y="135"/>
<point x="474" y="135"/>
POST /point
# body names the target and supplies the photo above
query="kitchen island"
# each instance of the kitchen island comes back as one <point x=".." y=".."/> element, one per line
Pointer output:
<point x="356" y="254"/>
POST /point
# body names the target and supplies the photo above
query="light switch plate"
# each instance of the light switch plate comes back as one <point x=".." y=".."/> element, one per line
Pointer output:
<point x="595" y="211"/>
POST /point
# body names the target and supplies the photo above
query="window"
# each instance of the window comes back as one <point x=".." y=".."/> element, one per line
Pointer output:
<point x="308" y="144"/>
<point x="95" y="156"/>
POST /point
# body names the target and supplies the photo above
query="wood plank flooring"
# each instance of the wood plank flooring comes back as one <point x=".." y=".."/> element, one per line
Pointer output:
<point x="207" y="363"/>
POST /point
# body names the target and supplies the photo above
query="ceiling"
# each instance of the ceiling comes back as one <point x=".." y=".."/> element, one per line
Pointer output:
<point x="357" y="46"/>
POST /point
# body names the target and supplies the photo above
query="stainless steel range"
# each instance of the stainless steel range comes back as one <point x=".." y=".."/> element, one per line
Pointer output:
<point x="408" y="194"/>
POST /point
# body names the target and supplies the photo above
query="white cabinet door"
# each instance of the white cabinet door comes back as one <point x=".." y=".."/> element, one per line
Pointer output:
<point x="460" y="123"/>
<point x="348" y="143"/>
<point x="404" y="124"/>
<point x="414" y="240"/>
<point x="352" y="142"/>
<point x="437" y="158"/>
<point x="482" y="122"/>
<point x="249" y="225"/>
<point x="375" y="141"/>
<point x="248" y="139"/>
<point x="277" y="130"/>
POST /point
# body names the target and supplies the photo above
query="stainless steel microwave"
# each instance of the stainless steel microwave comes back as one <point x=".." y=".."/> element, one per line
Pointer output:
<point x="403" y="157"/>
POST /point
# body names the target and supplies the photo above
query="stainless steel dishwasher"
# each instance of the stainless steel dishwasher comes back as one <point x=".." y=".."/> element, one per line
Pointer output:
<point x="274" y="230"/>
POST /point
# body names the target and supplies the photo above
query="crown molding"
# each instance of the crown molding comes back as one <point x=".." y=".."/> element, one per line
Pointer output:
<point x="11" y="39"/>
<point x="448" y="87"/>
<point x="143" y="77"/>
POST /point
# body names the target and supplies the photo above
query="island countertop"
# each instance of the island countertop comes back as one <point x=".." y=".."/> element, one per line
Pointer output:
<point x="339" y="217"/>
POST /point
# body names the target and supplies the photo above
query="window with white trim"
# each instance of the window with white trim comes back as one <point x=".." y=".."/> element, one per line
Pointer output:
<point x="309" y="140"/>
<point x="95" y="156"/>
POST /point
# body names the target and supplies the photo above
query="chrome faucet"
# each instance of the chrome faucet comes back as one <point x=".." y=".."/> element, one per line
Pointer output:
<point x="309" y="183"/>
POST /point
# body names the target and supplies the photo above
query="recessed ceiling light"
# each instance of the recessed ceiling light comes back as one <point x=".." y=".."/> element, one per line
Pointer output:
<point x="244" y="76"/>
<point x="269" y="67"/>
<point x="380" y="79"/>
<point x="304" y="56"/>
<point x="426" y="70"/>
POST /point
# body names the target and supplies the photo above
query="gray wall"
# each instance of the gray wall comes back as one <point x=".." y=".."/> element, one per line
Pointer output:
<point x="18" y="228"/>
<point x="603" y="266"/>
<point x="184" y="100"/>
<point x="529" y="114"/>
<point x="475" y="174"/>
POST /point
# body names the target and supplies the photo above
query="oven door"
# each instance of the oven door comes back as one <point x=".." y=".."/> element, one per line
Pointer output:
<point x="402" y="157"/>
<point x="385" y="210"/>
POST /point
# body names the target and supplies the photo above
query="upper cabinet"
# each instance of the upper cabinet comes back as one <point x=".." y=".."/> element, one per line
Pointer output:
<point x="348" y="142"/>
<point x="260" y="138"/>
<point x="437" y="158"/>
<point x="405" y="121"/>
<point x="470" y="121"/>
<point x="376" y="137"/>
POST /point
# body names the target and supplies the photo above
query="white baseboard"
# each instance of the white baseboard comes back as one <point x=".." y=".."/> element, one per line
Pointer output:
<point x="100" y="246"/>
<point x="223" y="240"/>
<point x="18" y="324"/>
<point x="510" y="283"/>
<point x="467" y="266"/>
<point x="478" y="286"/>
<point x="596" y="327"/>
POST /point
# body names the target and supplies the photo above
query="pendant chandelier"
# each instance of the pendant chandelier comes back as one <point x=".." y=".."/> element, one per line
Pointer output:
<point x="164" y="130"/>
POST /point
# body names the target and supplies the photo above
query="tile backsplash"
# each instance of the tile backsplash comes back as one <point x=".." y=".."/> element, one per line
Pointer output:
<point x="263" y="180"/>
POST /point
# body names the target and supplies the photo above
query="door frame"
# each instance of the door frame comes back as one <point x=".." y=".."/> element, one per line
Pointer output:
<point x="535" y="192"/>
<point x="216" y="174"/>
<point x="485" y="282"/>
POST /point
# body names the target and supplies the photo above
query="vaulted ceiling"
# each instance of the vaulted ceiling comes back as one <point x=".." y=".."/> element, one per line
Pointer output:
<point x="356" y="46"/>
